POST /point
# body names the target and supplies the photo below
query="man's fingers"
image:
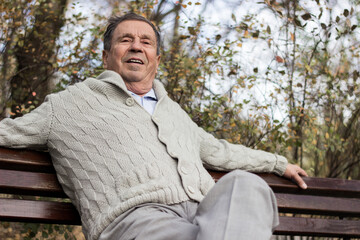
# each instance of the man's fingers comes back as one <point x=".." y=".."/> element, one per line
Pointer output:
<point x="299" y="181"/>
<point x="301" y="172"/>
<point x="294" y="173"/>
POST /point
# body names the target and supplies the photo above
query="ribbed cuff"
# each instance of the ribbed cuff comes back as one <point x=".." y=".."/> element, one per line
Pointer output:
<point x="280" y="166"/>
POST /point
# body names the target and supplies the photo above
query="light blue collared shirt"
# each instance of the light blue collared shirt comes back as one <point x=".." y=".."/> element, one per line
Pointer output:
<point x="148" y="101"/>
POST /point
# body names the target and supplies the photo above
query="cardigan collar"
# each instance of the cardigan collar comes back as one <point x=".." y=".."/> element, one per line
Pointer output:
<point x="115" y="79"/>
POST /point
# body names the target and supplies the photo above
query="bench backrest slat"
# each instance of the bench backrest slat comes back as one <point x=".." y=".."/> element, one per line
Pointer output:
<point x="41" y="162"/>
<point x="26" y="160"/>
<point x="316" y="186"/>
<point x="63" y="213"/>
<point x="38" y="211"/>
<point x="30" y="183"/>
<point x="318" y="205"/>
<point x="45" y="184"/>
<point x="300" y="226"/>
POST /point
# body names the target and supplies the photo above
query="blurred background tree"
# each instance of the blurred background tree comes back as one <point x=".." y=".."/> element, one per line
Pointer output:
<point x="277" y="75"/>
<point x="29" y="33"/>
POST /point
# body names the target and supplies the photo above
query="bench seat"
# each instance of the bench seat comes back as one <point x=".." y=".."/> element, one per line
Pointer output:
<point x="31" y="193"/>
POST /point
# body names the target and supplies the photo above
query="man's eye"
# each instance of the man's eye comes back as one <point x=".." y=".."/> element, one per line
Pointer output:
<point x="125" y="40"/>
<point x="146" y="42"/>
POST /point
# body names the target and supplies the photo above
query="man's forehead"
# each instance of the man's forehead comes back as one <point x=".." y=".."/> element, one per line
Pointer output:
<point x="135" y="27"/>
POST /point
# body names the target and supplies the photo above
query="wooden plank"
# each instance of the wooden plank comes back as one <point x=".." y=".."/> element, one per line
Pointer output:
<point x="26" y="160"/>
<point x="317" y="227"/>
<point x="29" y="160"/>
<point x="318" y="205"/>
<point x="316" y="186"/>
<point x="38" y="211"/>
<point x="29" y="183"/>
<point x="331" y="187"/>
<point x="65" y="213"/>
<point x="43" y="184"/>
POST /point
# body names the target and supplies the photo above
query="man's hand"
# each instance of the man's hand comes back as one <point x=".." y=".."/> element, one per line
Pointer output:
<point x="294" y="173"/>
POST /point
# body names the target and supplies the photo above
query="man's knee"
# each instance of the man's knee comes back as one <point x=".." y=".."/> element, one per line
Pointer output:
<point x="245" y="178"/>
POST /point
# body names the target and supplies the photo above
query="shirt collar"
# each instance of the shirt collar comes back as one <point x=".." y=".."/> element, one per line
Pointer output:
<point x="115" y="78"/>
<point x="151" y="94"/>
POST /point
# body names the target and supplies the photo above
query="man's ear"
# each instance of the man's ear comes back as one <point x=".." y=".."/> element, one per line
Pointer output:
<point x="157" y="62"/>
<point x="104" y="58"/>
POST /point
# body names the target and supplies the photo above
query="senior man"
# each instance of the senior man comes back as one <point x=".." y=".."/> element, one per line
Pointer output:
<point x="133" y="162"/>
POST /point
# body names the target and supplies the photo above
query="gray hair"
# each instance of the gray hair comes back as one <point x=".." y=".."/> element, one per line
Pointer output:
<point x="113" y="22"/>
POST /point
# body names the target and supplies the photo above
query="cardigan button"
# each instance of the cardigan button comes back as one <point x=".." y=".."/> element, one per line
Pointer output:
<point x="191" y="189"/>
<point x="129" y="101"/>
<point x="172" y="154"/>
<point x="184" y="170"/>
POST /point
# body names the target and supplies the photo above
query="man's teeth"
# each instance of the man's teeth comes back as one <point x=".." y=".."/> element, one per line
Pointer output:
<point x="135" y="61"/>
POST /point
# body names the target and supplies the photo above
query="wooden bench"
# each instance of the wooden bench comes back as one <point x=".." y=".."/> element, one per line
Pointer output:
<point x="328" y="208"/>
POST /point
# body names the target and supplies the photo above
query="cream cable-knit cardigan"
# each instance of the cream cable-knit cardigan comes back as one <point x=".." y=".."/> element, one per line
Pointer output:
<point x="110" y="154"/>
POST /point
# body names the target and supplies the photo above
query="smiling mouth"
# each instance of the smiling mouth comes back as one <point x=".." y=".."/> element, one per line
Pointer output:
<point x="137" y="61"/>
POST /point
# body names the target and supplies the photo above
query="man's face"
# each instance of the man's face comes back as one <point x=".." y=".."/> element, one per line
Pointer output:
<point x="133" y="52"/>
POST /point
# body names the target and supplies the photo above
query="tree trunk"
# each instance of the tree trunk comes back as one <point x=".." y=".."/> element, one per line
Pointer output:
<point x="36" y="57"/>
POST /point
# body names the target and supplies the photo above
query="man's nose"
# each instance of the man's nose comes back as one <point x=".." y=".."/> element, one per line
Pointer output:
<point x="136" y="46"/>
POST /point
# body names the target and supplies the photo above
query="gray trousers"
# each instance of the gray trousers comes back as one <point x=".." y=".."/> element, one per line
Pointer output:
<point x="239" y="206"/>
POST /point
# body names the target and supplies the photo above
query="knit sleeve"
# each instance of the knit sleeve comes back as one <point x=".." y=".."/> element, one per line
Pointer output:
<point x="29" y="131"/>
<point x="222" y="155"/>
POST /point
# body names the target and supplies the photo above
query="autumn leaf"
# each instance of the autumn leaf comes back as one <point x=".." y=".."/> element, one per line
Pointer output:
<point x="292" y="36"/>
<point x="279" y="59"/>
<point x="246" y="34"/>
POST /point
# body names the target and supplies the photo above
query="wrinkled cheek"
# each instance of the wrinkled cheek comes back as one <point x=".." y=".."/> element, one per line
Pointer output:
<point x="153" y="69"/>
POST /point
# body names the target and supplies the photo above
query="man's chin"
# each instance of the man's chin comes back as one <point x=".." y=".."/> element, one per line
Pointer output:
<point x="132" y="78"/>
